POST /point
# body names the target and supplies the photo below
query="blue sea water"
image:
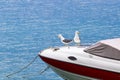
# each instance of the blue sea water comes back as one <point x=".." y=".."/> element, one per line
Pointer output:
<point x="29" y="26"/>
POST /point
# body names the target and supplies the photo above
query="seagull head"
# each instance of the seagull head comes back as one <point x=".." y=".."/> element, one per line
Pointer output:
<point x="77" y="32"/>
<point x="61" y="37"/>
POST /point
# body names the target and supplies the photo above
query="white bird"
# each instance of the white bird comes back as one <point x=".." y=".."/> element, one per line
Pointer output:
<point x="76" y="38"/>
<point x="63" y="40"/>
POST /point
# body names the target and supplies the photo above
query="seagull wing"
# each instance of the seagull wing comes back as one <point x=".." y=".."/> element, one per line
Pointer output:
<point x="67" y="40"/>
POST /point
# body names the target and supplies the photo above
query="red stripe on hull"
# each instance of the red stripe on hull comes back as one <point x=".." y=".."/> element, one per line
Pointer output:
<point x="83" y="70"/>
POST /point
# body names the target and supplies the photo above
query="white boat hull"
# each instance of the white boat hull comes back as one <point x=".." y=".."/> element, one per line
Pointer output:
<point x="74" y="64"/>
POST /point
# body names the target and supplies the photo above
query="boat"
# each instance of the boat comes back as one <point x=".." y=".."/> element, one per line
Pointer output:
<point x="99" y="61"/>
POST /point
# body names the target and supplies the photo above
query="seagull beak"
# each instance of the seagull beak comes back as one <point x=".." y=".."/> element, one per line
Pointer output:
<point x="58" y="36"/>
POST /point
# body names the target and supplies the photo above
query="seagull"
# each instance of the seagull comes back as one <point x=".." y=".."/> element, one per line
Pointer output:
<point x="76" y="38"/>
<point x="63" y="40"/>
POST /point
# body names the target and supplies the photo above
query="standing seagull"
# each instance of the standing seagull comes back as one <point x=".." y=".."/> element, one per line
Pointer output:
<point x="63" y="40"/>
<point x="76" y="38"/>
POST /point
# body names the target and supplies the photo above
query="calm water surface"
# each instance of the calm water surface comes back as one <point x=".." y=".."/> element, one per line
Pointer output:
<point x="29" y="26"/>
